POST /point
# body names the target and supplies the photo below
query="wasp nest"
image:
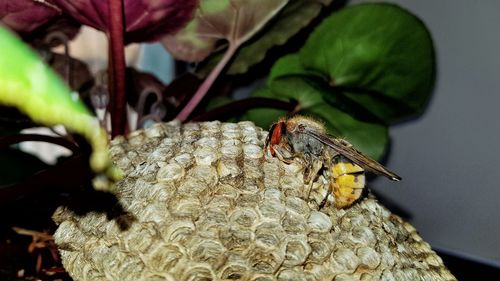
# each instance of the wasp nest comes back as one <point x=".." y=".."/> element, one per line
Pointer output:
<point x="209" y="204"/>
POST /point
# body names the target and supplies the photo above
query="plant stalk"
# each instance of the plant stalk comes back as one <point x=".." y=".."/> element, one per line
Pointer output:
<point x="205" y="86"/>
<point x="116" y="75"/>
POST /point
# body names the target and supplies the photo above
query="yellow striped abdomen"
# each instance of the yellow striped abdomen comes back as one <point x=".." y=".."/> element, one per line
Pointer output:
<point x="347" y="181"/>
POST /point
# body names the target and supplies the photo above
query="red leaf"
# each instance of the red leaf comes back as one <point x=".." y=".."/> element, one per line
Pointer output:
<point x="233" y="20"/>
<point x="35" y="20"/>
<point x="145" y="20"/>
<point x="24" y="16"/>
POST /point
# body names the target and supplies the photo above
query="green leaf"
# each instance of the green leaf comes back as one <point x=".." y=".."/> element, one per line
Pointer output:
<point x="218" y="101"/>
<point x="32" y="87"/>
<point x="379" y="55"/>
<point x="296" y="15"/>
<point x="264" y="117"/>
<point x="341" y="118"/>
<point x="362" y="67"/>
<point x="287" y="65"/>
<point x="368" y="137"/>
<point x="16" y="166"/>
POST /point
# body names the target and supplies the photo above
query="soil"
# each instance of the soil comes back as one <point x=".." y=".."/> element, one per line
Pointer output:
<point x="27" y="251"/>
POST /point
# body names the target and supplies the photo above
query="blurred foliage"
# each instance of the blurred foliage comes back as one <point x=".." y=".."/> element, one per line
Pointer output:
<point x="32" y="87"/>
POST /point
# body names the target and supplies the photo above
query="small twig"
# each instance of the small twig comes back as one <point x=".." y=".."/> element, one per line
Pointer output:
<point x="38" y="237"/>
<point x="39" y="240"/>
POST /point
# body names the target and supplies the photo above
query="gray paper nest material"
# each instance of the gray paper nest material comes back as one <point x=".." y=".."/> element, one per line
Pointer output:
<point x="208" y="204"/>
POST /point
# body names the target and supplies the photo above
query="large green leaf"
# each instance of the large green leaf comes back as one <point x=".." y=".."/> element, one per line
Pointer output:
<point x="264" y="117"/>
<point x="32" y="87"/>
<point x="379" y="55"/>
<point x="362" y="68"/>
<point x="342" y="117"/>
<point x="286" y="66"/>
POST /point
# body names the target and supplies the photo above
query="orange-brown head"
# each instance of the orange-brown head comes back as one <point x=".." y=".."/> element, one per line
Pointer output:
<point x="275" y="136"/>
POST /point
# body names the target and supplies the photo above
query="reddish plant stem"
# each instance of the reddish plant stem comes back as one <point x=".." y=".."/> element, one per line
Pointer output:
<point x="117" y="68"/>
<point x="203" y="89"/>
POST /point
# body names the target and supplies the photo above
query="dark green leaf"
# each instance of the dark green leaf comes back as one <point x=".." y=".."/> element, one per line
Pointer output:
<point x="16" y="166"/>
<point x="380" y="55"/>
<point x="341" y="118"/>
<point x="363" y="66"/>
<point x="295" y="15"/>
<point x="287" y="65"/>
<point x="264" y="117"/>
<point x="12" y="121"/>
<point x="369" y="138"/>
<point x="218" y="101"/>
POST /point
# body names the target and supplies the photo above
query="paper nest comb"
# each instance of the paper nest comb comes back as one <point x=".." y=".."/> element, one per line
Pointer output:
<point x="208" y="204"/>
